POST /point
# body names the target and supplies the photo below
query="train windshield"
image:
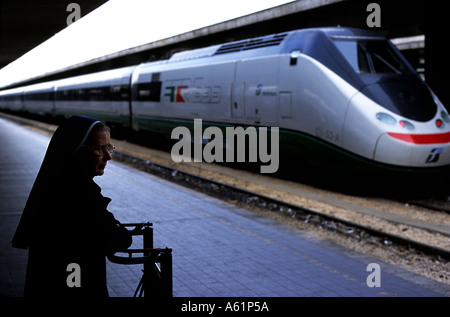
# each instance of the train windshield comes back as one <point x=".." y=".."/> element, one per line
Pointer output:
<point x="372" y="56"/>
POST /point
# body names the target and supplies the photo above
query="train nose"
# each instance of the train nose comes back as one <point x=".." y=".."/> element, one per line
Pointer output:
<point x="404" y="95"/>
<point x="426" y="150"/>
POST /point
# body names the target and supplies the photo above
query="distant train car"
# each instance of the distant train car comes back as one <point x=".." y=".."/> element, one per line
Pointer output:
<point x="104" y="95"/>
<point x="12" y="99"/>
<point x="342" y="98"/>
<point x="39" y="99"/>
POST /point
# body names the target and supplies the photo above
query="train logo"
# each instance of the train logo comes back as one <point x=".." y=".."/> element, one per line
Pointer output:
<point x="199" y="94"/>
<point x="175" y="93"/>
<point x="434" y="155"/>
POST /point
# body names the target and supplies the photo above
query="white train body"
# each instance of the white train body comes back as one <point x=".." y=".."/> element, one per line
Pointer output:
<point x="336" y="94"/>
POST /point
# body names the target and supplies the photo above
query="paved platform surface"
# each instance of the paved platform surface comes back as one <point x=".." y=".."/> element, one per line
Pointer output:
<point x="219" y="250"/>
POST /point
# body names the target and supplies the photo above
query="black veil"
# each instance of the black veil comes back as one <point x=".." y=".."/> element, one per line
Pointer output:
<point x="54" y="171"/>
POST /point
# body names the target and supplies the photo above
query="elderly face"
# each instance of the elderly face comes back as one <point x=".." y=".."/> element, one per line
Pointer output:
<point x="100" y="155"/>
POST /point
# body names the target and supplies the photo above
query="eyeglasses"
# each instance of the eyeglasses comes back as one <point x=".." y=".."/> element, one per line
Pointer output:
<point x="102" y="149"/>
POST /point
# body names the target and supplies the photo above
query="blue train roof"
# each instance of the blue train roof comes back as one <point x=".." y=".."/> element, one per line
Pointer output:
<point x="272" y="44"/>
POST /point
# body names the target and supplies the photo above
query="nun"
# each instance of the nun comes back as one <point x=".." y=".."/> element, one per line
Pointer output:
<point x="65" y="225"/>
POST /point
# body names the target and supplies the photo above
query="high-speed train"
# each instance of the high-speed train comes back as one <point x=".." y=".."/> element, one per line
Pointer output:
<point x="341" y="97"/>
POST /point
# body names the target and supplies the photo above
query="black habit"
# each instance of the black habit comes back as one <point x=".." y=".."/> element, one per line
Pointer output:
<point x="65" y="220"/>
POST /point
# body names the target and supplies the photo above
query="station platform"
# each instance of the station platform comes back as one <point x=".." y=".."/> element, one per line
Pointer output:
<point x="219" y="249"/>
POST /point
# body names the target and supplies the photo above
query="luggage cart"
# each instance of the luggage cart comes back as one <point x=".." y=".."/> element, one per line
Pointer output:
<point x="156" y="281"/>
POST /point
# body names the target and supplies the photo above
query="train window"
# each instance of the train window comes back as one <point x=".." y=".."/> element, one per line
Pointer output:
<point x="384" y="58"/>
<point x="96" y="94"/>
<point x="371" y="56"/>
<point x="116" y="93"/>
<point x="349" y="51"/>
<point x="354" y="55"/>
<point x="149" y="91"/>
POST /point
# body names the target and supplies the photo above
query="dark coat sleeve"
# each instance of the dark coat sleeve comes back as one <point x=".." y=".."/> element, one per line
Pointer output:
<point x="118" y="238"/>
<point x="94" y="228"/>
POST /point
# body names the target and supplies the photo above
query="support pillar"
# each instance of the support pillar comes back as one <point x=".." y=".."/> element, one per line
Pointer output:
<point x="437" y="60"/>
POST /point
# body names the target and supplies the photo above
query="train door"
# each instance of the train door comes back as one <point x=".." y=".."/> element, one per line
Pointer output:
<point x="256" y="91"/>
<point x="124" y="98"/>
<point x="237" y="95"/>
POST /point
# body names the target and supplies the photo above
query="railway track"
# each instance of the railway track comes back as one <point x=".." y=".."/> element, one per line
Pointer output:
<point x="442" y="204"/>
<point x="252" y="199"/>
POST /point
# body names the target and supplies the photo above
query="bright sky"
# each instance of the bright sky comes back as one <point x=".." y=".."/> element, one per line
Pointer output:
<point x="121" y="24"/>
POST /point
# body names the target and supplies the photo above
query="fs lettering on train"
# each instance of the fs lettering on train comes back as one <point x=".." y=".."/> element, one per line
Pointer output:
<point x="184" y="93"/>
<point x="434" y="155"/>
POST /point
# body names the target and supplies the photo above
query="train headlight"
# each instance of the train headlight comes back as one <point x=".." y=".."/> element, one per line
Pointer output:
<point x="439" y="123"/>
<point x="386" y="118"/>
<point x="407" y="125"/>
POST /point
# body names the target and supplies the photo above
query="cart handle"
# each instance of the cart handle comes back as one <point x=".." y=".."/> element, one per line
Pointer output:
<point x="154" y="254"/>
